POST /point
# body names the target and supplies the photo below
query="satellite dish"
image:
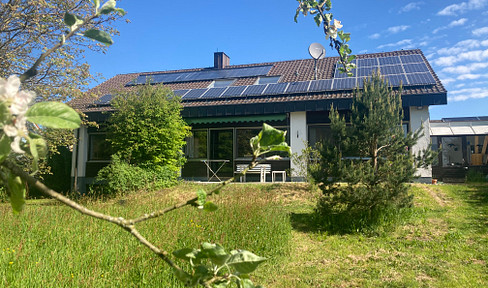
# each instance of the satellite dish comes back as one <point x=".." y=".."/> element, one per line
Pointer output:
<point x="316" y="50"/>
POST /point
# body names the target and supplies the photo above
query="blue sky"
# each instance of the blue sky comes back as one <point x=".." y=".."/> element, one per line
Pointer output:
<point x="167" y="35"/>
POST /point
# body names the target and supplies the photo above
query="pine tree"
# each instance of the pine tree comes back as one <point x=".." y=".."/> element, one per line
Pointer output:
<point x="366" y="164"/>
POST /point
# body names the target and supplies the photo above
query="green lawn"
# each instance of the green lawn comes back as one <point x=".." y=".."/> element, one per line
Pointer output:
<point x="443" y="242"/>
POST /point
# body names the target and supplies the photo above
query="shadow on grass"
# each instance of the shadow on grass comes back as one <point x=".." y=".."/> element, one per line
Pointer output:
<point x="478" y="199"/>
<point x="305" y="222"/>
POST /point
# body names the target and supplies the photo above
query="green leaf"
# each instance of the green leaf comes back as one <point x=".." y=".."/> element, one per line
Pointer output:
<point x="72" y="21"/>
<point x="202" y="197"/>
<point x="108" y="7"/>
<point x="4" y="147"/>
<point x="185" y="253"/>
<point x="318" y="19"/>
<point x="69" y="19"/>
<point x="245" y="283"/>
<point x="16" y="188"/>
<point x="4" y="112"/>
<point x="245" y="262"/>
<point x="183" y="276"/>
<point x="100" y="36"/>
<point x="54" y="115"/>
<point x="215" y="252"/>
<point x="271" y="136"/>
<point x="210" y="207"/>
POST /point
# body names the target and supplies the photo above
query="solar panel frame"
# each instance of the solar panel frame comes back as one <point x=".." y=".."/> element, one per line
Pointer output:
<point x="366" y="71"/>
<point x="367" y="62"/>
<point x="194" y="93"/>
<point x="104" y="100"/>
<point x="275" y="88"/>
<point x="213" y="93"/>
<point x="233" y="91"/>
<point x="420" y="79"/>
<point x="416" y="68"/>
<point x="344" y="83"/>
<point x="209" y="74"/>
<point x="390" y="60"/>
<point x="320" y="85"/>
<point x="391" y="69"/>
<point x="412" y="58"/>
<point x="254" y="90"/>
<point x="181" y="92"/>
<point x="394" y="80"/>
<point x="298" y="87"/>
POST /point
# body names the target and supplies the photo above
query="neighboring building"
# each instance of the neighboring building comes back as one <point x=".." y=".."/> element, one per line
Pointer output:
<point x="462" y="144"/>
<point x="227" y="104"/>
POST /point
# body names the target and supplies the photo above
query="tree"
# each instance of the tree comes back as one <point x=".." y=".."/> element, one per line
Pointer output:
<point x="371" y="155"/>
<point x="147" y="128"/>
<point x="26" y="27"/>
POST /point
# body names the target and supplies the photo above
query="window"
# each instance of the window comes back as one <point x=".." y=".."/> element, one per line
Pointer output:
<point x="268" y="80"/>
<point x="243" y="145"/>
<point x="318" y="134"/>
<point x="196" y="146"/>
<point x="220" y="83"/>
<point x="100" y="148"/>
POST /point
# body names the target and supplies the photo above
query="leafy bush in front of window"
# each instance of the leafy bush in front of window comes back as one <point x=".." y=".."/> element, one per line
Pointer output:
<point x="122" y="177"/>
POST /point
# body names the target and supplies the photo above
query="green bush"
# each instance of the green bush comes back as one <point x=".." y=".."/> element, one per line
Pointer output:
<point x="474" y="176"/>
<point x="121" y="177"/>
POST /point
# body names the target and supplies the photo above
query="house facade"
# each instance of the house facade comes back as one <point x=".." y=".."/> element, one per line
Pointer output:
<point x="462" y="146"/>
<point x="227" y="104"/>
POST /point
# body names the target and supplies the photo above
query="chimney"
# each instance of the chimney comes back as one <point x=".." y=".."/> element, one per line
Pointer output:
<point x="221" y="60"/>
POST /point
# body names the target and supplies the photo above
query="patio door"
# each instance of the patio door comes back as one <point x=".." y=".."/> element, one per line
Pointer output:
<point x="222" y="148"/>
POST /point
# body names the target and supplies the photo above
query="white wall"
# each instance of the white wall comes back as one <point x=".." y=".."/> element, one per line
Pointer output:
<point x="298" y="135"/>
<point x="81" y="152"/>
<point x="420" y="116"/>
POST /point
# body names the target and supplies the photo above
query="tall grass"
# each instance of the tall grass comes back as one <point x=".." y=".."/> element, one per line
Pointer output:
<point x="52" y="246"/>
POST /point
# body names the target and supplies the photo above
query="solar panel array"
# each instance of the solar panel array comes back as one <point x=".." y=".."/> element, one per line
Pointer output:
<point x="408" y="70"/>
<point x="104" y="100"/>
<point x="209" y="74"/>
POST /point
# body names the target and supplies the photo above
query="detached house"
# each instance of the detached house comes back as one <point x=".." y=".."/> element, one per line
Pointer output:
<point x="227" y="104"/>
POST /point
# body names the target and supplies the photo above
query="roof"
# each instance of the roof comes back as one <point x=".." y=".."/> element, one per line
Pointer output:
<point x="459" y="126"/>
<point x="297" y="73"/>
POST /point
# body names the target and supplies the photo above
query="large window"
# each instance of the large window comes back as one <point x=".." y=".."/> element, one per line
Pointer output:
<point x="318" y="134"/>
<point x="243" y="145"/>
<point x="100" y="148"/>
<point x="196" y="146"/>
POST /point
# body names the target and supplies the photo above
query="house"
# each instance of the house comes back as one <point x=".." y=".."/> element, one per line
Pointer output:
<point x="227" y="104"/>
<point x="462" y="146"/>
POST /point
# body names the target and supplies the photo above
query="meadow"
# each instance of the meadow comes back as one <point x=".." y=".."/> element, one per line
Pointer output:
<point x="441" y="242"/>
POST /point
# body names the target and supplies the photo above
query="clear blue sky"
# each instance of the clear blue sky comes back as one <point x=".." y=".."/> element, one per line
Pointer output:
<point x="167" y="35"/>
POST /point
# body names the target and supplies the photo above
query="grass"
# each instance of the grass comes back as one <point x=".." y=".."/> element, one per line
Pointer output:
<point x="442" y="243"/>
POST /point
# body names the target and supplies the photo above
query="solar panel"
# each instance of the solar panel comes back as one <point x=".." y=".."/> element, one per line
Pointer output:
<point x="368" y="71"/>
<point x="254" y="90"/>
<point x="395" y="80"/>
<point x="194" y="94"/>
<point x="233" y="91"/>
<point x="104" y="100"/>
<point x="392" y="60"/>
<point x="273" y="89"/>
<point x="209" y="74"/>
<point x="320" y="85"/>
<point x="298" y="87"/>
<point x="388" y="70"/>
<point x="214" y="92"/>
<point x="181" y="92"/>
<point x="420" y="79"/>
<point x="344" y="83"/>
<point x="367" y="62"/>
<point x="416" y="67"/>
<point x="414" y="58"/>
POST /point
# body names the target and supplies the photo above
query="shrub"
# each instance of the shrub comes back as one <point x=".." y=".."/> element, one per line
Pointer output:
<point x="121" y="177"/>
<point x="364" y="168"/>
